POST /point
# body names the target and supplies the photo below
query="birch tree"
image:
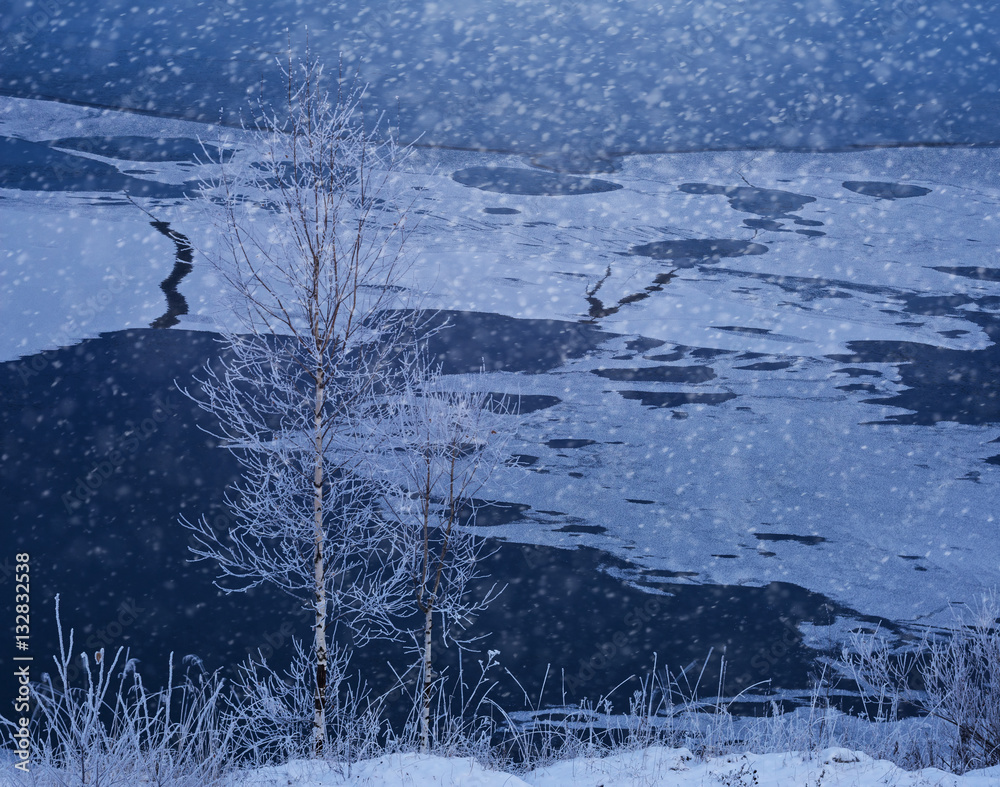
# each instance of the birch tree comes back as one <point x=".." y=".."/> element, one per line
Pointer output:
<point x="310" y="233"/>
<point x="436" y="449"/>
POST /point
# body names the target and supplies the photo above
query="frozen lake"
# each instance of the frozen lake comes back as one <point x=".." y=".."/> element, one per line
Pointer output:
<point x="590" y="77"/>
<point x="756" y="385"/>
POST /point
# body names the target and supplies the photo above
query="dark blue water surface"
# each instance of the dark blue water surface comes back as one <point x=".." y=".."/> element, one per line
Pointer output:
<point x="585" y="77"/>
<point x="101" y="455"/>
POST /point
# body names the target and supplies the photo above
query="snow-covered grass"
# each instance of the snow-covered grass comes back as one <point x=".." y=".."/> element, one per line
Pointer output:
<point x="112" y="730"/>
<point x="740" y="765"/>
<point x="954" y="678"/>
<point x="669" y="767"/>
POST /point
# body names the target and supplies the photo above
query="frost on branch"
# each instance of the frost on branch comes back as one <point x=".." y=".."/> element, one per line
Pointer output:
<point x="310" y="233"/>
<point x="435" y="449"/>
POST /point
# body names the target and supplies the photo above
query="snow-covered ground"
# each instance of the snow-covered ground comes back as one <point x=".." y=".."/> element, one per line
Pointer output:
<point x="652" y="767"/>
<point x="643" y="768"/>
<point x="721" y="417"/>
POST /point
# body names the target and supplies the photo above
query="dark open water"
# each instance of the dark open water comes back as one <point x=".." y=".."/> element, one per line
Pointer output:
<point x="100" y="455"/>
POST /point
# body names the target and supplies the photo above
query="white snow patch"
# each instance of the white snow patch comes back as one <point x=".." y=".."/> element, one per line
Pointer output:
<point x="834" y="767"/>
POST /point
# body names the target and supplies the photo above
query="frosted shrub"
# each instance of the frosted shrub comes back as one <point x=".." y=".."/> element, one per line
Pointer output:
<point x="962" y="680"/>
<point x="952" y="677"/>
<point x="434" y="450"/>
<point x="272" y="717"/>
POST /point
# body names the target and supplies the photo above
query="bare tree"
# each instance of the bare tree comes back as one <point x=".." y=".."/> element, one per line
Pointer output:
<point x="435" y="449"/>
<point x="310" y="233"/>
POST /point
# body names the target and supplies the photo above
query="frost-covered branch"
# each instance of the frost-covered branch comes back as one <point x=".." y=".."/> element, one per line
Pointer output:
<point x="310" y="229"/>
<point x="434" y="451"/>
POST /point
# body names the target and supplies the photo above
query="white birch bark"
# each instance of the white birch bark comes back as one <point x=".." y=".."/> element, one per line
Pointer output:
<point x="427" y="689"/>
<point x="310" y="233"/>
<point x="436" y="452"/>
<point x="319" y="646"/>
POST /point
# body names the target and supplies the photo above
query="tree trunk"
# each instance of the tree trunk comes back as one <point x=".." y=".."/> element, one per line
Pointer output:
<point x="319" y="715"/>
<point x="425" y="719"/>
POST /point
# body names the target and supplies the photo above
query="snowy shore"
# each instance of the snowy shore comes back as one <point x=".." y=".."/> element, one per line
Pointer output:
<point x="653" y="767"/>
